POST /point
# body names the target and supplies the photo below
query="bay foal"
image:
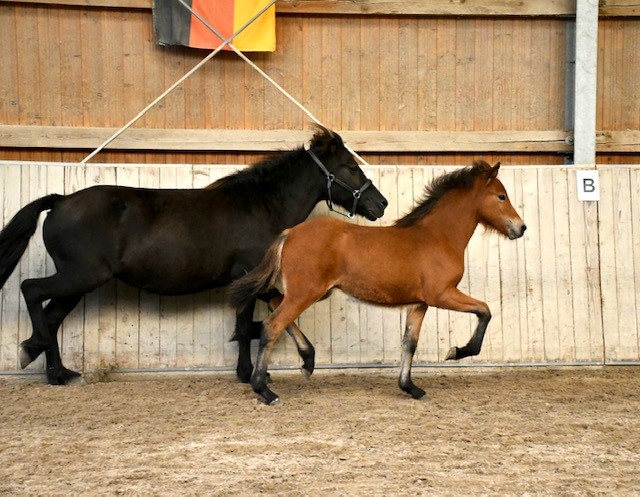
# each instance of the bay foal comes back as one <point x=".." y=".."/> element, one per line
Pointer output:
<point x="417" y="262"/>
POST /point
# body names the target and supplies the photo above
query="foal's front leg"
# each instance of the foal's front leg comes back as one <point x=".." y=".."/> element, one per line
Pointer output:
<point x="455" y="300"/>
<point x="415" y="316"/>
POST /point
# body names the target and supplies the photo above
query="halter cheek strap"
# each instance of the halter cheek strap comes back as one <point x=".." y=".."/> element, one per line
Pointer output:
<point x="331" y="179"/>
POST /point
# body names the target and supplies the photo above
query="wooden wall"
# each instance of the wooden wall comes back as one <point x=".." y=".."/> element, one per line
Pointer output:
<point x="564" y="293"/>
<point x="82" y="67"/>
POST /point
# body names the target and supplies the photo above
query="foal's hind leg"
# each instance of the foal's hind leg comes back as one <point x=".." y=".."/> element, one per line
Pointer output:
<point x="455" y="300"/>
<point x="415" y="316"/>
<point x="273" y="327"/>
<point x="305" y="349"/>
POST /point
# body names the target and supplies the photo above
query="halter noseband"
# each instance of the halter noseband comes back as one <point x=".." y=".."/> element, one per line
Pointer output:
<point x="331" y="178"/>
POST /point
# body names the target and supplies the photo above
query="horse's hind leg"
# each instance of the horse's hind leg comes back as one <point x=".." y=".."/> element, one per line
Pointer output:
<point x="305" y="349"/>
<point x="55" y="311"/>
<point x="64" y="291"/>
<point x="415" y="316"/>
<point x="243" y="334"/>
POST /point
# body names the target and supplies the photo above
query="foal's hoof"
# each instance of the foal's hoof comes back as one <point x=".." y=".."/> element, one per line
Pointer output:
<point x="28" y="354"/>
<point x="62" y="376"/>
<point x="452" y="355"/>
<point x="417" y="393"/>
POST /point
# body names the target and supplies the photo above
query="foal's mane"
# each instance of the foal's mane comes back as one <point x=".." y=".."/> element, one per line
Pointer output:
<point x="460" y="178"/>
<point x="279" y="168"/>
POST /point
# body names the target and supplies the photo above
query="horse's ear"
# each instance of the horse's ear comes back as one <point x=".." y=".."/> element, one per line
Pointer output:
<point x="493" y="173"/>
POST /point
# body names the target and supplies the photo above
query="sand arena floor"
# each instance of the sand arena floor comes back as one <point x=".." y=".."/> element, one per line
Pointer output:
<point x="516" y="431"/>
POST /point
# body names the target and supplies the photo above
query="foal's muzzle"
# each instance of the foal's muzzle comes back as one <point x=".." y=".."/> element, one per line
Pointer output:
<point x="516" y="229"/>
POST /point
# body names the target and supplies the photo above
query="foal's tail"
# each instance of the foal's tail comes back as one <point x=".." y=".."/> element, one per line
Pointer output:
<point x="262" y="278"/>
<point x="15" y="236"/>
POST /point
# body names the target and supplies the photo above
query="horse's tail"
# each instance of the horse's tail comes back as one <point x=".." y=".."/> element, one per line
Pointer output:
<point x="15" y="236"/>
<point x="262" y="278"/>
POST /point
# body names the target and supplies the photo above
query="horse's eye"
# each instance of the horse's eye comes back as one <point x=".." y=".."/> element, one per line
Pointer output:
<point x="502" y="197"/>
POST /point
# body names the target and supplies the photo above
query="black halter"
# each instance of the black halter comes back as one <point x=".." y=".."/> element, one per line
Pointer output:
<point x="331" y="178"/>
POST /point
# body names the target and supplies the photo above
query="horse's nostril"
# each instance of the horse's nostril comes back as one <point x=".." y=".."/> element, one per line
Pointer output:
<point x="524" y="228"/>
<point x="385" y="202"/>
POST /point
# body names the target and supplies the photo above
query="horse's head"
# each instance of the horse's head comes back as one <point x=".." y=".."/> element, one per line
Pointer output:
<point x="495" y="209"/>
<point x="347" y="185"/>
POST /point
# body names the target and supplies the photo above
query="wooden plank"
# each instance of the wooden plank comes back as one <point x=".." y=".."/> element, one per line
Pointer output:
<point x="370" y="77"/>
<point x="128" y="329"/>
<point x="28" y="70"/>
<point x="386" y="7"/>
<point x="185" y="304"/>
<point x="634" y="183"/>
<point x="517" y="200"/>
<point x="9" y="87"/>
<point x="549" y="277"/>
<point x="532" y="217"/>
<point x="11" y="203"/>
<point x="149" y="303"/>
<point x="509" y="319"/>
<point x="100" y="305"/>
<point x="391" y="329"/>
<point x="627" y="348"/>
<point x="585" y="291"/>
<point x="73" y="327"/>
<point x="270" y="140"/>
<point x="71" y="67"/>
<point x="564" y="276"/>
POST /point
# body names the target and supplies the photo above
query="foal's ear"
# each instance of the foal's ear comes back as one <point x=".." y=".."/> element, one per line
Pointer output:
<point x="494" y="172"/>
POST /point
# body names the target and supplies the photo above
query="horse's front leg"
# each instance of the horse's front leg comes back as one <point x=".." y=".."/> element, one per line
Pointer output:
<point x="305" y="349"/>
<point x="243" y="334"/>
<point x="415" y="316"/>
<point x="455" y="300"/>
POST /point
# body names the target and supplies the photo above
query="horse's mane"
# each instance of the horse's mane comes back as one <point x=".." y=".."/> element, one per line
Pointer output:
<point x="460" y="178"/>
<point x="279" y="168"/>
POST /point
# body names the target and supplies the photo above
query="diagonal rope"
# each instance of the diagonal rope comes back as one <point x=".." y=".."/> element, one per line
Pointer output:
<point x="225" y="41"/>
<point x="266" y="76"/>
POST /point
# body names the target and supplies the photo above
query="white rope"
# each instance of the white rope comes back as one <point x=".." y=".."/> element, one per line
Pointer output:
<point x="177" y="83"/>
<point x="267" y="77"/>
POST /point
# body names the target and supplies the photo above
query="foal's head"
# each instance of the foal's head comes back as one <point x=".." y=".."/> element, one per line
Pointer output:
<point x="328" y="146"/>
<point x="494" y="207"/>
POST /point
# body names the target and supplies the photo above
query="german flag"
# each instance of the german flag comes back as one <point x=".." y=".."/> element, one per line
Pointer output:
<point x="176" y="25"/>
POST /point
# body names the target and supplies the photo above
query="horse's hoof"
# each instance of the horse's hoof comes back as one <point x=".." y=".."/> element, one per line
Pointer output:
<point x="27" y="354"/>
<point x="268" y="397"/>
<point x="63" y="376"/>
<point x="452" y="355"/>
<point x="25" y="358"/>
<point x="417" y="393"/>
<point x="275" y="402"/>
<point x="305" y="374"/>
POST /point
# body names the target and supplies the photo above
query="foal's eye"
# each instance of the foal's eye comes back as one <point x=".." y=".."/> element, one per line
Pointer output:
<point x="502" y="197"/>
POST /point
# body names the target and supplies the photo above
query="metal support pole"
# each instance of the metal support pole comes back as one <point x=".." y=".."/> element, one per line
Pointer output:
<point x="586" y="76"/>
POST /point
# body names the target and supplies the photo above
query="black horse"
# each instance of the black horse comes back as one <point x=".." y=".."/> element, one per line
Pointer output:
<point x="176" y="242"/>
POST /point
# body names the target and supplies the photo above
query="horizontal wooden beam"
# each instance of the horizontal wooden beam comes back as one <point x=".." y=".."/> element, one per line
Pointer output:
<point x="430" y="7"/>
<point x="622" y="8"/>
<point x="618" y="141"/>
<point x="374" y="7"/>
<point x="59" y="137"/>
<point x="619" y="8"/>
